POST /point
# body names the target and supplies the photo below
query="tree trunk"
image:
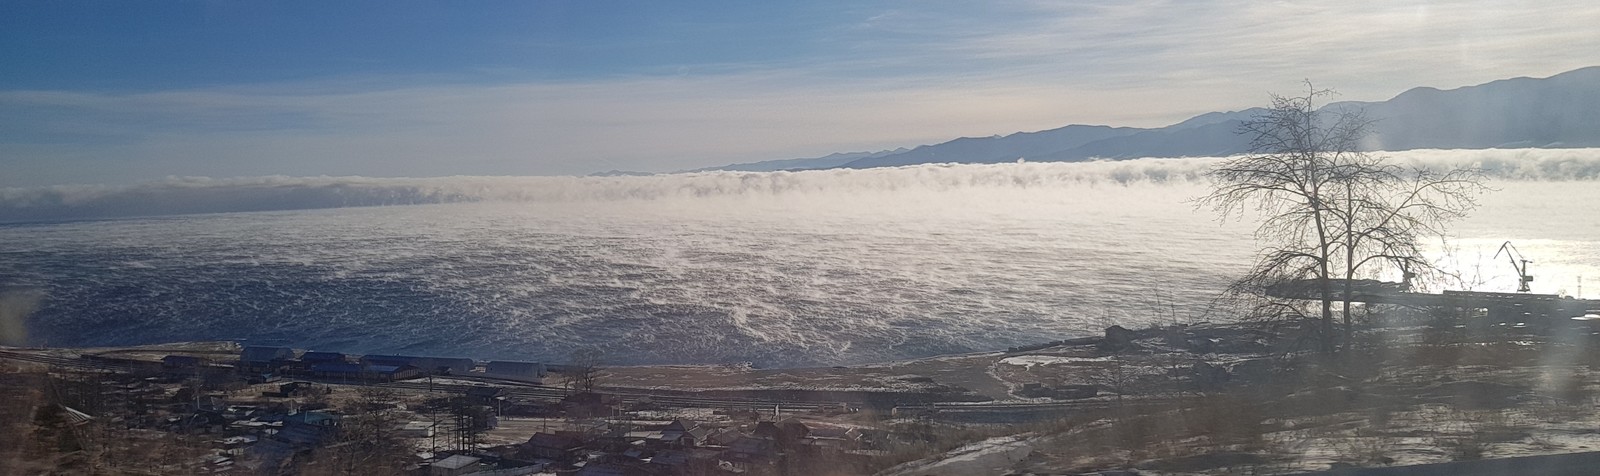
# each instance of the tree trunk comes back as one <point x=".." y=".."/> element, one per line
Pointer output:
<point x="1349" y="329"/>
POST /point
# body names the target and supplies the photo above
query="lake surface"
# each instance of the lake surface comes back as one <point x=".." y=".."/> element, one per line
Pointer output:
<point x="903" y="263"/>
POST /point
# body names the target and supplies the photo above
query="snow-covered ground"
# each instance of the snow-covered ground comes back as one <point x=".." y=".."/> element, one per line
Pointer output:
<point x="1032" y="360"/>
<point x="991" y="456"/>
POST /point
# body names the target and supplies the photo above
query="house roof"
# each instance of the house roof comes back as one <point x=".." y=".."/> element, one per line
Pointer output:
<point x="265" y="354"/>
<point x="680" y="425"/>
<point x="823" y="442"/>
<point x="320" y="356"/>
<point x="603" y="470"/>
<point x="546" y="440"/>
<point x="642" y="435"/>
<point x="74" y="416"/>
<point x="676" y="431"/>
<point x="456" y="462"/>
<point x="389" y="358"/>
<point x="749" y="445"/>
<point x="788" y="428"/>
<point x="723" y="436"/>
<point x="699" y="433"/>
<point x="670" y="458"/>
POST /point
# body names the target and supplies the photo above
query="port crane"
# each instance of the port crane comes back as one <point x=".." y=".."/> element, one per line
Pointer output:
<point x="1520" y="263"/>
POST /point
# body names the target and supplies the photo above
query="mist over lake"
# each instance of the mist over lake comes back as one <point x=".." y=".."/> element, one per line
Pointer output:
<point x="778" y="269"/>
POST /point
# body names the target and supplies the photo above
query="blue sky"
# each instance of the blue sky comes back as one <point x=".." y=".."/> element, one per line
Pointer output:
<point x="120" y="91"/>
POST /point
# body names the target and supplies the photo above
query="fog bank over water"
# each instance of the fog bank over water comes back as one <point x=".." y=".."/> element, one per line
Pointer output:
<point x="188" y="195"/>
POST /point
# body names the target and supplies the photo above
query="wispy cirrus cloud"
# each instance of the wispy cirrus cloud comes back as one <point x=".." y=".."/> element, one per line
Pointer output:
<point x="1368" y="47"/>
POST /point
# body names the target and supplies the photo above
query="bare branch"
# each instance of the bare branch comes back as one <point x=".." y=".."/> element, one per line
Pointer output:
<point x="1332" y="212"/>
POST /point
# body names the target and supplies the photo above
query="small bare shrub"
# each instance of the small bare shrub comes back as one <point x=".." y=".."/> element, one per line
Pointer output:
<point x="1366" y="450"/>
<point x="1477" y="431"/>
<point x="1226" y="419"/>
<point x="1379" y="417"/>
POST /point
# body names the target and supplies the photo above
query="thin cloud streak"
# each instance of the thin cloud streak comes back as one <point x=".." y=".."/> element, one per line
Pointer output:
<point x="570" y="128"/>
<point x="1366" y="47"/>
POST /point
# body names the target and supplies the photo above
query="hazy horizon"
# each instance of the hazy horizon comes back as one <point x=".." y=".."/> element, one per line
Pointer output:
<point x="186" y="195"/>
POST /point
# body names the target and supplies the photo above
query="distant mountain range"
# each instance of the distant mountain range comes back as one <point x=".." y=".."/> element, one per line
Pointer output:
<point x="825" y="162"/>
<point x="1560" y="111"/>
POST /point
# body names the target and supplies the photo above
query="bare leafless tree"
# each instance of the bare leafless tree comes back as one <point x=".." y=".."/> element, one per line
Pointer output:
<point x="368" y="442"/>
<point x="1117" y="375"/>
<point x="583" y="371"/>
<point x="1331" y="212"/>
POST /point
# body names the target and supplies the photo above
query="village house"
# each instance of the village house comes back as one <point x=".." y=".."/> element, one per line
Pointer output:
<point x="429" y="365"/>
<point x="615" y="469"/>
<point x="485" y="395"/>
<point x="554" y="447"/>
<point x="722" y="436"/>
<point x="670" y="461"/>
<point x="615" y="439"/>
<point x="309" y="429"/>
<point x="454" y="465"/>
<point x="849" y="434"/>
<point x="283" y="431"/>
<point x="182" y="362"/>
<point x="481" y="464"/>
<point x="264" y="359"/>
<point x="301" y="434"/>
<point x="694" y="461"/>
<point x="311" y="358"/>
<point x="678" y="434"/>
<point x="785" y="433"/>
<point x="348" y="371"/>
<point x="751" y="453"/>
